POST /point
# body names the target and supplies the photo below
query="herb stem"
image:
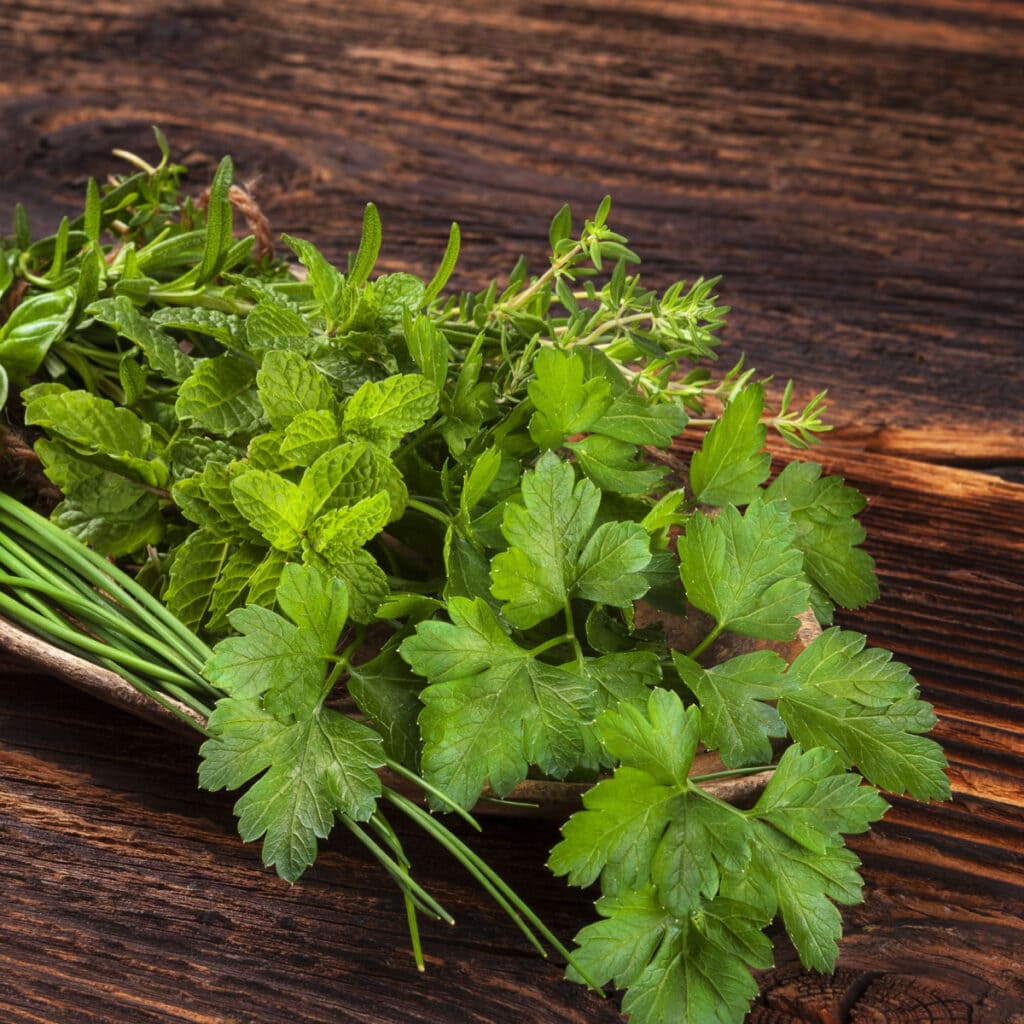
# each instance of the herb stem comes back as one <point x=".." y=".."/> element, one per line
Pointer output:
<point x="706" y="642"/>
<point x="428" y="510"/>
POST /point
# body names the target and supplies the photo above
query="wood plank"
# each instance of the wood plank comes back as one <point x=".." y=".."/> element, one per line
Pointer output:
<point x="852" y="169"/>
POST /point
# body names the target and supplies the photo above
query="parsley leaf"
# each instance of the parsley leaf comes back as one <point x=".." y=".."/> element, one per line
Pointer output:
<point x="491" y="708"/>
<point x="544" y="566"/>
<point x="745" y="571"/>
<point x="312" y="761"/>
<point x="822" y="511"/>
<point x="731" y="466"/>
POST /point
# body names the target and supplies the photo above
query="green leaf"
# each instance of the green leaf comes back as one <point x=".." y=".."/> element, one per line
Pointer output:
<point x="610" y="567"/>
<point x="731" y="466"/>
<point x="745" y="571"/>
<point x="383" y="412"/>
<point x="160" y="349"/>
<point x="274" y="325"/>
<point x="690" y="971"/>
<point x="234" y="582"/>
<point x="220" y="396"/>
<point x="357" y="568"/>
<point x="270" y="656"/>
<point x="218" y="222"/>
<point x="564" y="403"/>
<point x="316" y="603"/>
<point x="369" y="247"/>
<point x="428" y="347"/>
<point x="335" y="296"/>
<point x="275" y="507"/>
<point x="198" y="562"/>
<point x="309" y="435"/>
<point x="350" y="526"/>
<point x="36" y="324"/>
<point x="545" y="535"/>
<point x="735" y="720"/>
<point x="491" y="709"/>
<point x="289" y="384"/>
<point x="227" y="328"/>
<point x="388" y="693"/>
<point x="882" y="742"/>
<point x="312" y="769"/>
<point x="444" y="271"/>
<point x="343" y="475"/>
<point x="631" y="419"/>
<point x="615" y="466"/>
<point x="823" y="513"/>
<point x="814" y="801"/>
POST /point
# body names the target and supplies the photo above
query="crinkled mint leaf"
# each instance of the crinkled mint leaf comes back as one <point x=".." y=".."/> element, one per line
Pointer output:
<point x="197" y="565"/>
<point x="289" y="384"/>
<point x="383" y="412"/>
<point x="220" y="396"/>
<point x="275" y="507"/>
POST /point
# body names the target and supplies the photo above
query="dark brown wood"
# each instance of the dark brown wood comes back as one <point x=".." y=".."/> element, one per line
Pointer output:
<point x="851" y="166"/>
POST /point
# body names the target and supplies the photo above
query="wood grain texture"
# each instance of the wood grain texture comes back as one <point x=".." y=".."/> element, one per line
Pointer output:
<point x="852" y="168"/>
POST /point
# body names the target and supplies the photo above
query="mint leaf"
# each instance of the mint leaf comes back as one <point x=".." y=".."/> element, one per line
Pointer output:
<point x="275" y="507"/>
<point x="336" y="298"/>
<point x="731" y="466"/>
<point x="383" y="412"/>
<point x="289" y="384"/>
<point x="822" y="511"/>
<point x="309" y="435"/>
<point x="745" y="571"/>
<point x="160" y="349"/>
<point x="220" y="396"/>
<point x="198" y="562"/>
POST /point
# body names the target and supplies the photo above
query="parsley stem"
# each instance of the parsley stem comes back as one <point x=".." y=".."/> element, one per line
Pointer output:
<point x="733" y="773"/>
<point x="706" y="642"/>
<point x="548" y="644"/>
<point x="715" y="800"/>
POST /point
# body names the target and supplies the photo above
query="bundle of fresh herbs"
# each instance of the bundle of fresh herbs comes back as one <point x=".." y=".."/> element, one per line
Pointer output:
<point x="446" y="507"/>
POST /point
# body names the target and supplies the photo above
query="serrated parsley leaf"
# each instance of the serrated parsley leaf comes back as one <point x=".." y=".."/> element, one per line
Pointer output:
<point x="815" y="801"/>
<point x="863" y="706"/>
<point x="735" y="718"/>
<point x="823" y="513"/>
<point x="647" y="823"/>
<point x="677" y="971"/>
<point x="565" y="404"/>
<point x="745" y="571"/>
<point x="313" y="763"/>
<point x="315" y="767"/>
<point x="544" y="565"/>
<point x="631" y="419"/>
<point x="731" y="466"/>
<point x="491" y="708"/>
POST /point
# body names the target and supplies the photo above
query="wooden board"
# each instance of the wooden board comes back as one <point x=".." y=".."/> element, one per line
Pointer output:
<point x="852" y="168"/>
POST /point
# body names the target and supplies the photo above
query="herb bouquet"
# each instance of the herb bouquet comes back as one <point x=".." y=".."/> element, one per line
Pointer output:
<point x="277" y="488"/>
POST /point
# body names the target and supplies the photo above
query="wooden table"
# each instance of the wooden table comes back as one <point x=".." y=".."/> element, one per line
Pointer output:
<point x="854" y="170"/>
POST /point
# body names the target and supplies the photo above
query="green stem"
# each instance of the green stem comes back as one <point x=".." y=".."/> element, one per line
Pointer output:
<point x="428" y="510"/>
<point x="706" y="642"/>
<point x="556" y="641"/>
<point x="733" y="773"/>
<point x="570" y="632"/>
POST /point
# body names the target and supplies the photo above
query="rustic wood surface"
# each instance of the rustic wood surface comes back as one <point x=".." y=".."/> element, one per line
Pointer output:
<point x="853" y="169"/>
